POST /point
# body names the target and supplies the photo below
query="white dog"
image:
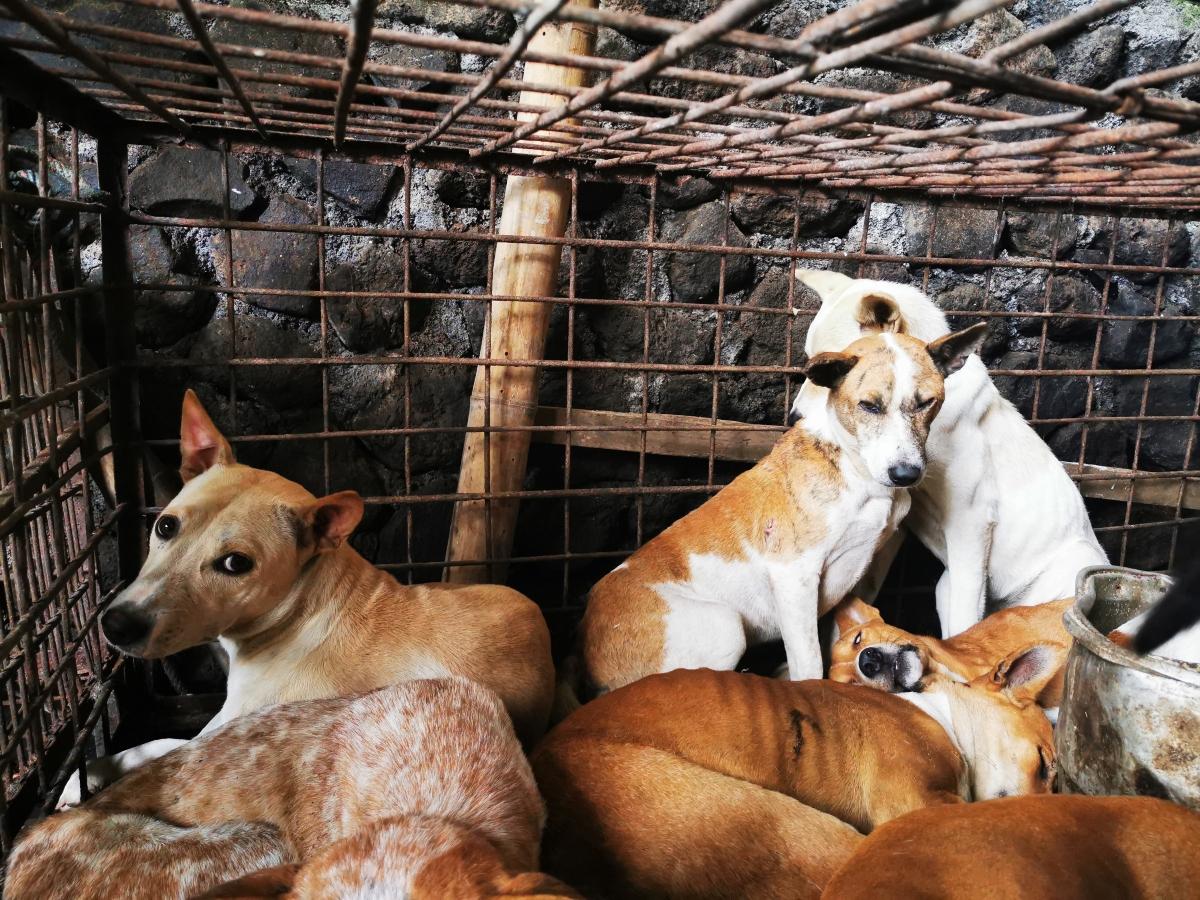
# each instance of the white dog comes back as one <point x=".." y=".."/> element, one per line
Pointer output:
<point x="996" y="507"/>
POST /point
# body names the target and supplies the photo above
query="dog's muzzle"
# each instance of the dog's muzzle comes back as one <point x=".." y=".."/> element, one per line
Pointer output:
<point x="125" y="628"/>
<point x="890" y="667"/>
<point x="905" y="474"/>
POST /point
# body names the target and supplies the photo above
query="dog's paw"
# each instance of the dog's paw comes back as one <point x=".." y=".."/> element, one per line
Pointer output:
<point x="99" y="775"/>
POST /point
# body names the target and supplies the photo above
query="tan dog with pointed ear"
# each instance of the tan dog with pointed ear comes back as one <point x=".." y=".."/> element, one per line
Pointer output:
<point x="870" y="651"/>
<point x="255" y="560"/>
<point x="720" y="784"/>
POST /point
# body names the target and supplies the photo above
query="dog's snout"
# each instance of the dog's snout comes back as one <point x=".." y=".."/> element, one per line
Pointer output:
<point x="870" y="662"/>
<point x="124" y="627"/>
<point x="793" y="417"/>
<point x="905" y="474"/>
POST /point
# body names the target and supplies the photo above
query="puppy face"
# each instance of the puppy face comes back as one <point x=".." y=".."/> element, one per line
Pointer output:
<point x="225" y="551"/>
<point x="885" y="391"/>
<point x="869" y="651"/>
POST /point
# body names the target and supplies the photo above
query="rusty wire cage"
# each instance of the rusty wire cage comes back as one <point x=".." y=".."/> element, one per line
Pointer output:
<point x="1064" y="215"/>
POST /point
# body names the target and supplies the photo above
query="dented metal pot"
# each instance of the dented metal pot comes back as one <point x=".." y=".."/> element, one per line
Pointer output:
<point x="1127" y="724"/>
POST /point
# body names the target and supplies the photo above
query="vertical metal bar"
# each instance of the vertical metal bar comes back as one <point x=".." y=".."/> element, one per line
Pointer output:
<point x="647" y="298"/>
<point x="406" y="249"/>
<point x="231" y="297"/>
<point x="363" y="12"/>
<point x="789" y="327"/>
<point x="572" y="232"/>
<point x="1046" y="295"/>
<point x="112" y="160"/>
<point x="320" y="162"/>
<point x="716" y="379"/>
<point x="1137" y="440"/>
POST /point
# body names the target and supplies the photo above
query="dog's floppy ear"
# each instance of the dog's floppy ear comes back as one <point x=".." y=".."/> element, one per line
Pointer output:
<point x="853" y="611"/>
<point x="950" y="351"/>
<point x="828" y="369"/>
<point x="879" y="312"/>
<point x="201" y="445"/>
<point x="332" y="519"/>
<point x="276" y="881"/>
<point x="1023" y="675"/>
<point x="825" y="283"/>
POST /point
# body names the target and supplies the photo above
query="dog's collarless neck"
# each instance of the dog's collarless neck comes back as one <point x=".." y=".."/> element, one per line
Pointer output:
<point x="938" y="707"/>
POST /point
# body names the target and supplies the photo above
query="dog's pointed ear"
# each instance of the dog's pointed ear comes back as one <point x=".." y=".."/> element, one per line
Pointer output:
<point x="201" y="445"/>
<point x="879" y="312"/>
<point x="950" y="352"/>
<point x="332" y="519"/>
<point x="853" y="611"/>
<point x="825" y="283"/>
<point x="828" y="369"/>
<point x="1024" y="674"/>
<point x="276" y="881"/>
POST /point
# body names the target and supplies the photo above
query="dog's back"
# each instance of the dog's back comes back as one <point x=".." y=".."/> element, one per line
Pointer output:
<point x="312" y="773"/>
<point x="1068" y="847"/>
<point x="411" y="857"/>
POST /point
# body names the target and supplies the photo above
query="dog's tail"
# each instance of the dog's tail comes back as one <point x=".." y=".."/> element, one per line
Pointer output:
<point x="1179" y="609"/>
<point x="568" y="691"/>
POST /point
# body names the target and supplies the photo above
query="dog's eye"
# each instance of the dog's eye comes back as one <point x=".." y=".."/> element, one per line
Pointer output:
<point x="234" y="564"/>
<point x="925" y="404"/>
<point x="166" y="527"/>
<point x="868" y="406"/>
<point x="1044" y="765"/>
<point x="858" y="639"/>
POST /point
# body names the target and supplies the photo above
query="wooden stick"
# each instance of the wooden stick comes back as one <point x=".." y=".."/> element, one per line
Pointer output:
<point x="507" y="395"/>
<point x="688" y="436"/>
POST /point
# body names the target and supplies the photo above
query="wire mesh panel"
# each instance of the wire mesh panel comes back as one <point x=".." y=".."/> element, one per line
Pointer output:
<point x="56" y="527"/>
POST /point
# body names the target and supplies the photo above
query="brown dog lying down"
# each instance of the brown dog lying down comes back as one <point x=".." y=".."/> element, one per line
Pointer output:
<point x="283" y="784"/>
<point x="718" y="784"/>
<point x="1069" y="848"/>
<point x="870" y="651"/>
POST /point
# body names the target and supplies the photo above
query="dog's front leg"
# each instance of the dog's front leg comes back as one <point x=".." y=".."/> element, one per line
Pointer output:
<point x="961" y="592"/>
<point x="107" y="769"/>
<point x="797" y="598"/>
<point x="104" y="771"/>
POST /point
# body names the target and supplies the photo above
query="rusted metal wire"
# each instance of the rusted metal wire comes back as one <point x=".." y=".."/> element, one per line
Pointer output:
<point x="363" y="12"/>
<point x="218" y="61"/>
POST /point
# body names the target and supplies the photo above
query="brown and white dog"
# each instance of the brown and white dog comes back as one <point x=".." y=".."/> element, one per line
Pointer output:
<point x="429" y="770"/>
<point x="719" y="784"/>
<point x="1067" y="847"/>
<point x="255" y="560"/>
<point x="997" y="508"/>
<point x="786" y="540"/>
<point x="870" y="651"/>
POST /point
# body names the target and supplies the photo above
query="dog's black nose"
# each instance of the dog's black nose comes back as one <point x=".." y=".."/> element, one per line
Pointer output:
<point x="793" y="417"/>
<point x="125" y="628"/>
<point x="870" y="662"/>
<point x="904" y="474"/>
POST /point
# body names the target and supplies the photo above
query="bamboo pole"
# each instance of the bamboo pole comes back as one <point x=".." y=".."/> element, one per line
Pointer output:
<point x="507" y="395"/>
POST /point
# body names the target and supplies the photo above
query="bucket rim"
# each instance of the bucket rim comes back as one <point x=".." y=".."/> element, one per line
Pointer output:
<point x="1088" y="637"/>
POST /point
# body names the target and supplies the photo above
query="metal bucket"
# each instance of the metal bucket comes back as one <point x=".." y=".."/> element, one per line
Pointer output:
<point x="1127" y="724"/>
